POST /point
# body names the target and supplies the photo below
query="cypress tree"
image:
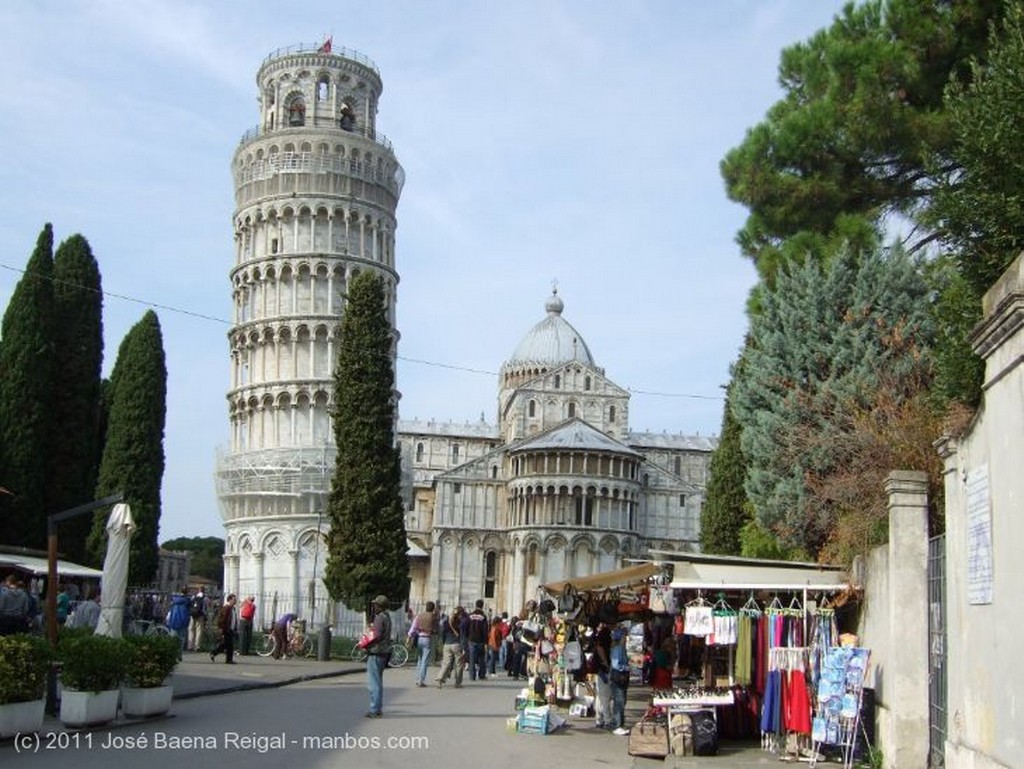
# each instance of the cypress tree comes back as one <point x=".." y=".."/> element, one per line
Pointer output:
<point x="26" y="388"/>
<point x="133" y="452"/>
<point x="366" y="544"/>
<point x="78" y="341"/>
<point x="726" y="508"/>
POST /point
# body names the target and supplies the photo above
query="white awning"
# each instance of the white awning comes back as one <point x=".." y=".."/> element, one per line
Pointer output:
<point x="749" y="575"/>
<point x="40" y="566"/>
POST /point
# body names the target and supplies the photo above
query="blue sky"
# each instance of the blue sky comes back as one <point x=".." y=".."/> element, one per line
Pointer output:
<point x="569" y="141"/>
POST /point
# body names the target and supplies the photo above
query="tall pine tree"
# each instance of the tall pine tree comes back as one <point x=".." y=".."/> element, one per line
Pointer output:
<point x="133" y="453"/>
<point x="366" y="544"/>
<point x="78" y="341"/>
<point x="26" y="388"/>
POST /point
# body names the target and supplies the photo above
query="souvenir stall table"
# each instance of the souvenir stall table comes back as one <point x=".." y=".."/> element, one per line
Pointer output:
<point x="557" y="634"/>
<point x="753" y="634"/>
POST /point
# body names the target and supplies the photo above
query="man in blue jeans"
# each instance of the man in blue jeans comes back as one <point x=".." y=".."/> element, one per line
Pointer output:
<point x="377" y="654"/>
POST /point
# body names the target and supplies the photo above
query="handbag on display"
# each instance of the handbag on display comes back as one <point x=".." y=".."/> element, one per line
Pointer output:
<point x="572" y="655"/>
<point x="531" y="631"/>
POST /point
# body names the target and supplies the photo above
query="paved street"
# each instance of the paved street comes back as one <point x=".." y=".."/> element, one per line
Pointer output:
<point x="285" y="713"/>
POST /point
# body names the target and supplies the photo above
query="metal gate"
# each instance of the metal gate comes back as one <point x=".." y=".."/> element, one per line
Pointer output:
<point x="936" y="651"/>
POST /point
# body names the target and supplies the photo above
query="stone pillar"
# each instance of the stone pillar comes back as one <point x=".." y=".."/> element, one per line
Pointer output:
<point x="907" y="677"/>
<point x="296" y="587"/>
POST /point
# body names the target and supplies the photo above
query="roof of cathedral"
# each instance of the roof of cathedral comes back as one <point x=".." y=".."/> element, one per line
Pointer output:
<point x="669" y="441"/>
<point x="574" y="434"/>
<point x="553" y="341"/>
<point x="479" y="429"/>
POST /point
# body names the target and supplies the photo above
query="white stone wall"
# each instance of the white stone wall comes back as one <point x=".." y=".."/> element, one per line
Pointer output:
<point x="985" y="675"/>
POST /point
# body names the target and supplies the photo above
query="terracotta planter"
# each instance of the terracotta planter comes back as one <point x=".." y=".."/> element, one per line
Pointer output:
<point x="88" y="708"/>
<point x="143" y="703"/>
<point x="16" y="717"/>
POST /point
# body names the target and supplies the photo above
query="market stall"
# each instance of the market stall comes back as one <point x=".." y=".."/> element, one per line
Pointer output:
<point x="730" y="647"/>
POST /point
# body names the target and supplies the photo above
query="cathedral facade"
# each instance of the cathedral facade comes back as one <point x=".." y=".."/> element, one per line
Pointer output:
<point x="559" y="487"/>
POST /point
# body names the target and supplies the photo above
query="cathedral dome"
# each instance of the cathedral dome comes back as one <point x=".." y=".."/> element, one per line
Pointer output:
<point x="551" y="342"/>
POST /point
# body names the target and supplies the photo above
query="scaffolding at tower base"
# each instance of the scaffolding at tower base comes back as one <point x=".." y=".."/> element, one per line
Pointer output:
<point x="280" y="472"/>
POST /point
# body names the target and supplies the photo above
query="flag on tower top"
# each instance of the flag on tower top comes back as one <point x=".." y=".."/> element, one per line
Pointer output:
<point x="326" y="47"/>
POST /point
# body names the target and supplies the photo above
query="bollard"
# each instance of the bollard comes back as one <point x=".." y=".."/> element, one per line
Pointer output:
<point x="323" y="648"/>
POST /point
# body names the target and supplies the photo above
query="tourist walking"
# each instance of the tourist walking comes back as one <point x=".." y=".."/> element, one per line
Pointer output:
<point x="451" y="648"/>
<point x="377" y="654"/>
<point x="227" y="623"/>
<point x="178" y="619"/>
<point x="423" y="630"/>
<point x="197" y="621"/>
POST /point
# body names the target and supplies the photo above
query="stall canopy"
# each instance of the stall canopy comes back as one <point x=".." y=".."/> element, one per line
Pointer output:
<point x="632" y="575"/>
<point x="39" y="567"/>
<point x="709" y="572"/>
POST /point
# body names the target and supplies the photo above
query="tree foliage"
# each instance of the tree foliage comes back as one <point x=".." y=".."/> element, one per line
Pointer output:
<point x="27" y="383"/>
<point x="861" y="132"/>
<point x="817" y="350"/>
<point x="78" y="343"/>
<point x="133" y="452"/>
<point x="367" y="541"/>
<point x="979" y="209"/>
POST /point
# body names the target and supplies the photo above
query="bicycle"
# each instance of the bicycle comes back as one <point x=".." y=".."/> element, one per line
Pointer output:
<point x="148" y="627"/>
<point x="299" y="645"/>
<point x="399" y="655"/>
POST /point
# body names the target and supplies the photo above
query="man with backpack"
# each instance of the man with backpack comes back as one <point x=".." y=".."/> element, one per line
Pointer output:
<point x="197" y="620"/>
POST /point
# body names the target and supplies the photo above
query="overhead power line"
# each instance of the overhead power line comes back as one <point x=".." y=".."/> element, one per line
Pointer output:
<point x="420" y="361"/>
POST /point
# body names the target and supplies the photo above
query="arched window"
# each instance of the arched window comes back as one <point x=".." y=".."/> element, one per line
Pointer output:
<point x="532" y="408"/>
<point x="531" y="560"/>
<point x="490" y="573"/>
<point x="455" y="453"/>
<point x="297" y="112"/>
<point x="322" y="89"/>
<point x="678" y="466"/>
<point x="586" y="383"/>
<point x="572" y="410"/>
<point x="558" y="381"/>
<point x="494" y="471"/>
<point x="611" y="415"/>
<point x="419" y="452"/>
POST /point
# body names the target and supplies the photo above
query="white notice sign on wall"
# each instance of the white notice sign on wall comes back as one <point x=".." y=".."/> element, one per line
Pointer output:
<point x="979" y="537"/>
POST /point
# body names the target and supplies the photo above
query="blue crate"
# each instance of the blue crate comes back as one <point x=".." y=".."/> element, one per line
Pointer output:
<point x="532" y="721"/>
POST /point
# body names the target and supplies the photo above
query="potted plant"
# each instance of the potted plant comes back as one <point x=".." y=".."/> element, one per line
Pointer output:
<point x="150" y="660"/>
<point x="24" y="663"/>
<point x="92" y="667"/>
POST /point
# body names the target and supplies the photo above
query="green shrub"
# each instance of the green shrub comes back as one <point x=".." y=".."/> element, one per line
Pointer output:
<point x="24" y="663"/>
<point x="150" y="659"/>
<point x="92" y="663"/>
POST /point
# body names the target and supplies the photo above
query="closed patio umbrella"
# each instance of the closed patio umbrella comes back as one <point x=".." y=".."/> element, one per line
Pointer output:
<point x="120" y="528"/>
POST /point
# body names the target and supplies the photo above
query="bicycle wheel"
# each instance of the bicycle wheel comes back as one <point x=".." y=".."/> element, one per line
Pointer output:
<point x="157" y="629"/>
<point x="308" y="647"/>
<point x="399" y="656"/>
<point x="266" y="645"/>
<point x="358" y="655"/>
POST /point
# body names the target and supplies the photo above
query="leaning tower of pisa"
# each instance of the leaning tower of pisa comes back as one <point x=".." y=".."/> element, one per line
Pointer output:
<point x="316" y="188"/>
